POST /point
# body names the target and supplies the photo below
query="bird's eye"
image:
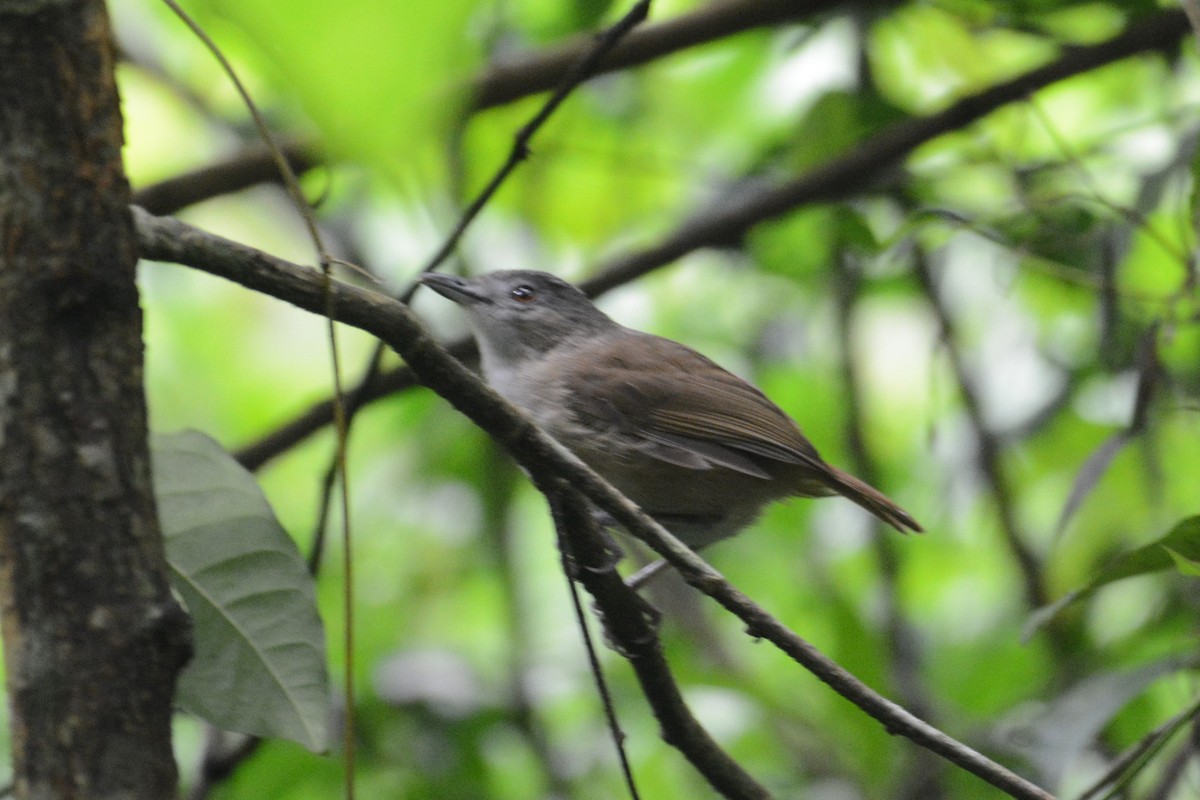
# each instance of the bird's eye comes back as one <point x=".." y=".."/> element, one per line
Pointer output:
<point x="523" y="294"/>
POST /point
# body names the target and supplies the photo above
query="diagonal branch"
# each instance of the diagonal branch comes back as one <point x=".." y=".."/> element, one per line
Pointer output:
<point x="546" y="461"/>
<point x="539" y="72"/>
<point x="728" y="219"/>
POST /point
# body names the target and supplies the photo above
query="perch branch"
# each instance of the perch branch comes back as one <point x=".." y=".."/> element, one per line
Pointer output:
<point x="165" y="239"/>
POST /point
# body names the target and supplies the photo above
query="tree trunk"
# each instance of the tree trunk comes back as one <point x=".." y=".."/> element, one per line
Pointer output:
<point x="93" y="640"/>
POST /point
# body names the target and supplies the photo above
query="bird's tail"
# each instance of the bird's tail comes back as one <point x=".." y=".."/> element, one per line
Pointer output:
<point x="872" y="500"/>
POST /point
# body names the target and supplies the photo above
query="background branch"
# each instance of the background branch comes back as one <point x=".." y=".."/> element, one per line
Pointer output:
<point x="241" y="170"/>
<point x="505" y="82"/>
<point x="987" y="445"/>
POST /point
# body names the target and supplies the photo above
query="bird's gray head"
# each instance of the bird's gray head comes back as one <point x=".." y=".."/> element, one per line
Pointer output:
<point x="521" y="314"/>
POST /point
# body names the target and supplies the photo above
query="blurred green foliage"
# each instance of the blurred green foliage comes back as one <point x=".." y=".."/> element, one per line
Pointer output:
<point x="1058" y="231"/>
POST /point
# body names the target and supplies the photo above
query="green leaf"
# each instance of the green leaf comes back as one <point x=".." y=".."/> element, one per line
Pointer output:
<point x="1188" y="566"/>
<point x="1194" y="195"/>
<point x="1159" y="555"/>
<point x="589" y="13"/>
<point x="379" y="78"/>
<point x="798" y="246"/>
<point x="259" y="664"/>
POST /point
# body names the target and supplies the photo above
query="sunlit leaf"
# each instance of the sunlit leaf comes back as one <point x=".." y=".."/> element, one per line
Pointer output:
<point x="1188" y="566"/>
<point x="1183" y="540"/>
<point x="259" y="662"/>
<point x="379" y="78"/>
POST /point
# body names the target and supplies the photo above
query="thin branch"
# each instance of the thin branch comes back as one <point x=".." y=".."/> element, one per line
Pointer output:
<point x="731" y="216"/>
<point x="1176" y="769"/>
<point x="923" y="779"/>
<point x="572" y="522"/>
<point x="1125" y="768"/>
<point x="496" y="492"/>
<point x="987" y="444"/>
<point x="539" y="72"/>
<point x="728" y="219"/>
<point x="338" y="467"/>
<point x="567" y="81"/>
<point x="631" y="626"/>
<point x="241" y="170"/>
<point x="547" y="462"/>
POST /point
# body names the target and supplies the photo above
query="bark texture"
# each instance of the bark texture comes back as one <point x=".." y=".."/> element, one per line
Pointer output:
<point x="93" y="640"/>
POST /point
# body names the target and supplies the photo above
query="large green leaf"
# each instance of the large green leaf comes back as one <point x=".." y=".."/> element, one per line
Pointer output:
<point x="379" y="78"/>
<point x="1182" y="542"/>
<point x="259" y="664"/>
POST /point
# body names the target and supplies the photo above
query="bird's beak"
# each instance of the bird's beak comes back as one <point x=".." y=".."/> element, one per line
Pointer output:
<point x="451" y="286"/>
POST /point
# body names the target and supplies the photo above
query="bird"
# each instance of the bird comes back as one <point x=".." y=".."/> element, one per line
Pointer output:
<point x="699" y="449"/>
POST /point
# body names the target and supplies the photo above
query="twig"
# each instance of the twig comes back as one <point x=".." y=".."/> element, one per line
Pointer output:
<point x="292" y="184"/>
<point x="1176" y="769"/>
<point x="570" y="515"/>
<point x="546" y="461"/>
<point x="582" y="69"/>
<point x="1124" y="769"/>
<point x="496" y="492"/>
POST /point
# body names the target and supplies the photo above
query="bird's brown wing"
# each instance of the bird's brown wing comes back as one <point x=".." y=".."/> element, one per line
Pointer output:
<point x="685" y="409"/>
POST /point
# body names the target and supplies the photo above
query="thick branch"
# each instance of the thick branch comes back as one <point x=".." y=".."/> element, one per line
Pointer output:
<point x="546" y="461"/>
<point x="93" y="640"/>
